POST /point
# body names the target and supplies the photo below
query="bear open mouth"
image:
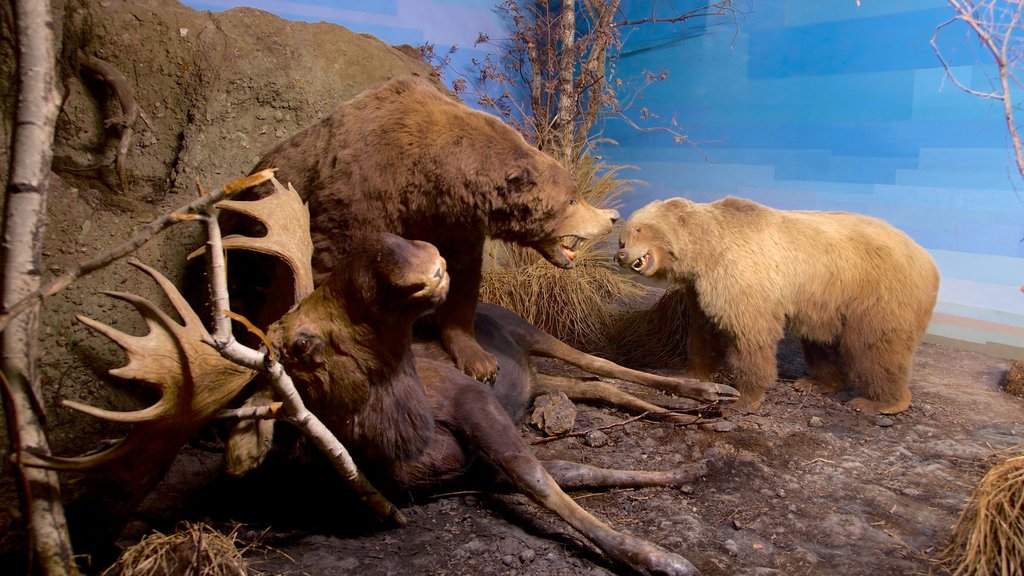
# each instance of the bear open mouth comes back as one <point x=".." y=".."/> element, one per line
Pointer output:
<point x="640" y="264"/>
<point x="569" y="245"/>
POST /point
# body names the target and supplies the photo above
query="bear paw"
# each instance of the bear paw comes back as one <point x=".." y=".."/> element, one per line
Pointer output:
<point x="869" y="406"/>
<point x="477" y="363"/>
<point x="810" y="384"/>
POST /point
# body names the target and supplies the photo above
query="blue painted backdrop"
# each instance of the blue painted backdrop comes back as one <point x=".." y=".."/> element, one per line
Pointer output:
<point x="797" y="104"/>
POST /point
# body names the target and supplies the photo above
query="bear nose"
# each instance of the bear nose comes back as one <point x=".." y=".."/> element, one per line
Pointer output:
<point x="620" y="257"/>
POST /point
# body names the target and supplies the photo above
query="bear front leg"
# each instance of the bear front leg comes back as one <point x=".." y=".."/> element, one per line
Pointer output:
<point x="456" y="315"/>
<point x="705" y="345"/>
<point x="754" y="369"/>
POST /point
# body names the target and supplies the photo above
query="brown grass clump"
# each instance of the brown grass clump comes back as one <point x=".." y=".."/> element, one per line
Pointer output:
<point x="989" y="535"/>
<point x="194" y="549"/>
<point x="652" y="335"/>
<point x="576" y="306"/>
<point x="1015" y="379"/>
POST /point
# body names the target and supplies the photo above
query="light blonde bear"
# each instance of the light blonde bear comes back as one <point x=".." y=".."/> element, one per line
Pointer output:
<point x="858" y="293"/>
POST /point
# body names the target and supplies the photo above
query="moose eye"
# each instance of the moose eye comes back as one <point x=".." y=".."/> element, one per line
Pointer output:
<point x="307" y="348"/>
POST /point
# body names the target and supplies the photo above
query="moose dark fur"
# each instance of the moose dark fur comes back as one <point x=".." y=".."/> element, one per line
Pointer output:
<point x="413" y="420"/>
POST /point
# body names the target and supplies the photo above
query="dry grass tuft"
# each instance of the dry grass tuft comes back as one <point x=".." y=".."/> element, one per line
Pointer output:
<point x="1014" y="383"/>
<point x="194" y="549"/>
<point x="576" y="306"/>
<point x="651" y="335"/>
<point x="989" y="536"/>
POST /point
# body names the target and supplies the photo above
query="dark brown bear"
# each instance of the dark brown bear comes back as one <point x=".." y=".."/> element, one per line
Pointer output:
<point x="406" y="158"/>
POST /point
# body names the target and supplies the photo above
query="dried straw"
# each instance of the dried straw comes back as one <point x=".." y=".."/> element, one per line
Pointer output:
<point x="654" y="335"/>
<point x="193" y="550"/>
<point x="1014" y="383"/>
<point x="988" y="538"/>
<point x="577" y="306"/>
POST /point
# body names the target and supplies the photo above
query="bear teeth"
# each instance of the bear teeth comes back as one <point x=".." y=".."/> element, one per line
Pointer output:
<point x="640" y="263"/>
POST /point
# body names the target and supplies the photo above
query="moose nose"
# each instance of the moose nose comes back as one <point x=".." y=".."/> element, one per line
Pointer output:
<point x="620" y="257"/>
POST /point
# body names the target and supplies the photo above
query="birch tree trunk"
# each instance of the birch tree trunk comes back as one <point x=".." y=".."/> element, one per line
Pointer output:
<point x="564" y="133"/>
<point x="21" y="251"/>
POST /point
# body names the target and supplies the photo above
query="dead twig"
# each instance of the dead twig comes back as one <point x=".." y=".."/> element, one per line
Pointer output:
<point x="139" y="239"/>
<point x="125" y="95"/>
<point x="588" y="431"/>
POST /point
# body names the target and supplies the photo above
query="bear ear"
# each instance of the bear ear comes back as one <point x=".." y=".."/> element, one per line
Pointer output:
<point x="520" y="178"/>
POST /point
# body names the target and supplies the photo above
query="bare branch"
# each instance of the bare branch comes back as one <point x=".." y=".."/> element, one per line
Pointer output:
<point x="129" y="109"/>
<point x="139" y="239"/>
<point x="996" y="35"/>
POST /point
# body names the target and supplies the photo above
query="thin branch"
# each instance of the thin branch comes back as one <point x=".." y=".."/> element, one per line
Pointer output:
<point x="139" y="239"/>
<point x="129" y="109"/>
<point x="966" y="12"/>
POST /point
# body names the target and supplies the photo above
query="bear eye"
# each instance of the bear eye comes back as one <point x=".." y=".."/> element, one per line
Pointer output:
<point x="637" y="230"/>
<point x="572" y="202"/>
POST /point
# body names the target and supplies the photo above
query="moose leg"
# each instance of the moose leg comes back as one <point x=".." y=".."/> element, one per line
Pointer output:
<point x="487" y="428"/>
<point x="541" y="343"/>
<point x="604" y="394"/>
<point x="577" y="476"/>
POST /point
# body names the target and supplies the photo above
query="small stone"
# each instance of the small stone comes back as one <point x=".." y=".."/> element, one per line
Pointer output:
<point x="719" y="426"/>
<point x="183" y="32"/>
<point x="780" y="493"/>
<point x="884" y="421"/>
<point x="686" y="489"/>
<point x="509" y="560"/>
<point x="527" y="556"/>
<point x="595" y="439"/>
<point x="731" y="547"/>
<point x="553" y="413"/>
<point x="736" y="525"/>
<point x="815" y="422"/>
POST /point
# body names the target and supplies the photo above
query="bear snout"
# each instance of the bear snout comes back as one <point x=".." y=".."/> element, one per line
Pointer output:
<point x="620" y="257"/>
<point x="614" y="216"/>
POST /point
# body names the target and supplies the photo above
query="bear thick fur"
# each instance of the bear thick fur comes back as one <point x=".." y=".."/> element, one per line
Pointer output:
<point x="858" y="292"/>
<point x="406" y="158"/>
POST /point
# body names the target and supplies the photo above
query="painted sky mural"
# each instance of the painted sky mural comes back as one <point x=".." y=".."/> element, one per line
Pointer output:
<point x="800" y="105"/>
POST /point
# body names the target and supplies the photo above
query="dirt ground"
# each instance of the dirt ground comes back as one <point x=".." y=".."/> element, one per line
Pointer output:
<point x="808" y="486"/>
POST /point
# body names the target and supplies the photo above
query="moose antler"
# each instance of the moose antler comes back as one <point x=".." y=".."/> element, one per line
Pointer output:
<point x="286" y="220"/>
<point x="195" y="382"/>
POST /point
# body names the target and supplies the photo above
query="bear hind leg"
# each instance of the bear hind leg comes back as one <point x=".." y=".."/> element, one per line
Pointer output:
<point x="825" y="365"/>
<point x="881" y="369"/>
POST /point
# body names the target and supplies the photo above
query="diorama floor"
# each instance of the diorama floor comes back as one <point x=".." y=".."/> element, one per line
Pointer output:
<point x="807" y="486"/>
